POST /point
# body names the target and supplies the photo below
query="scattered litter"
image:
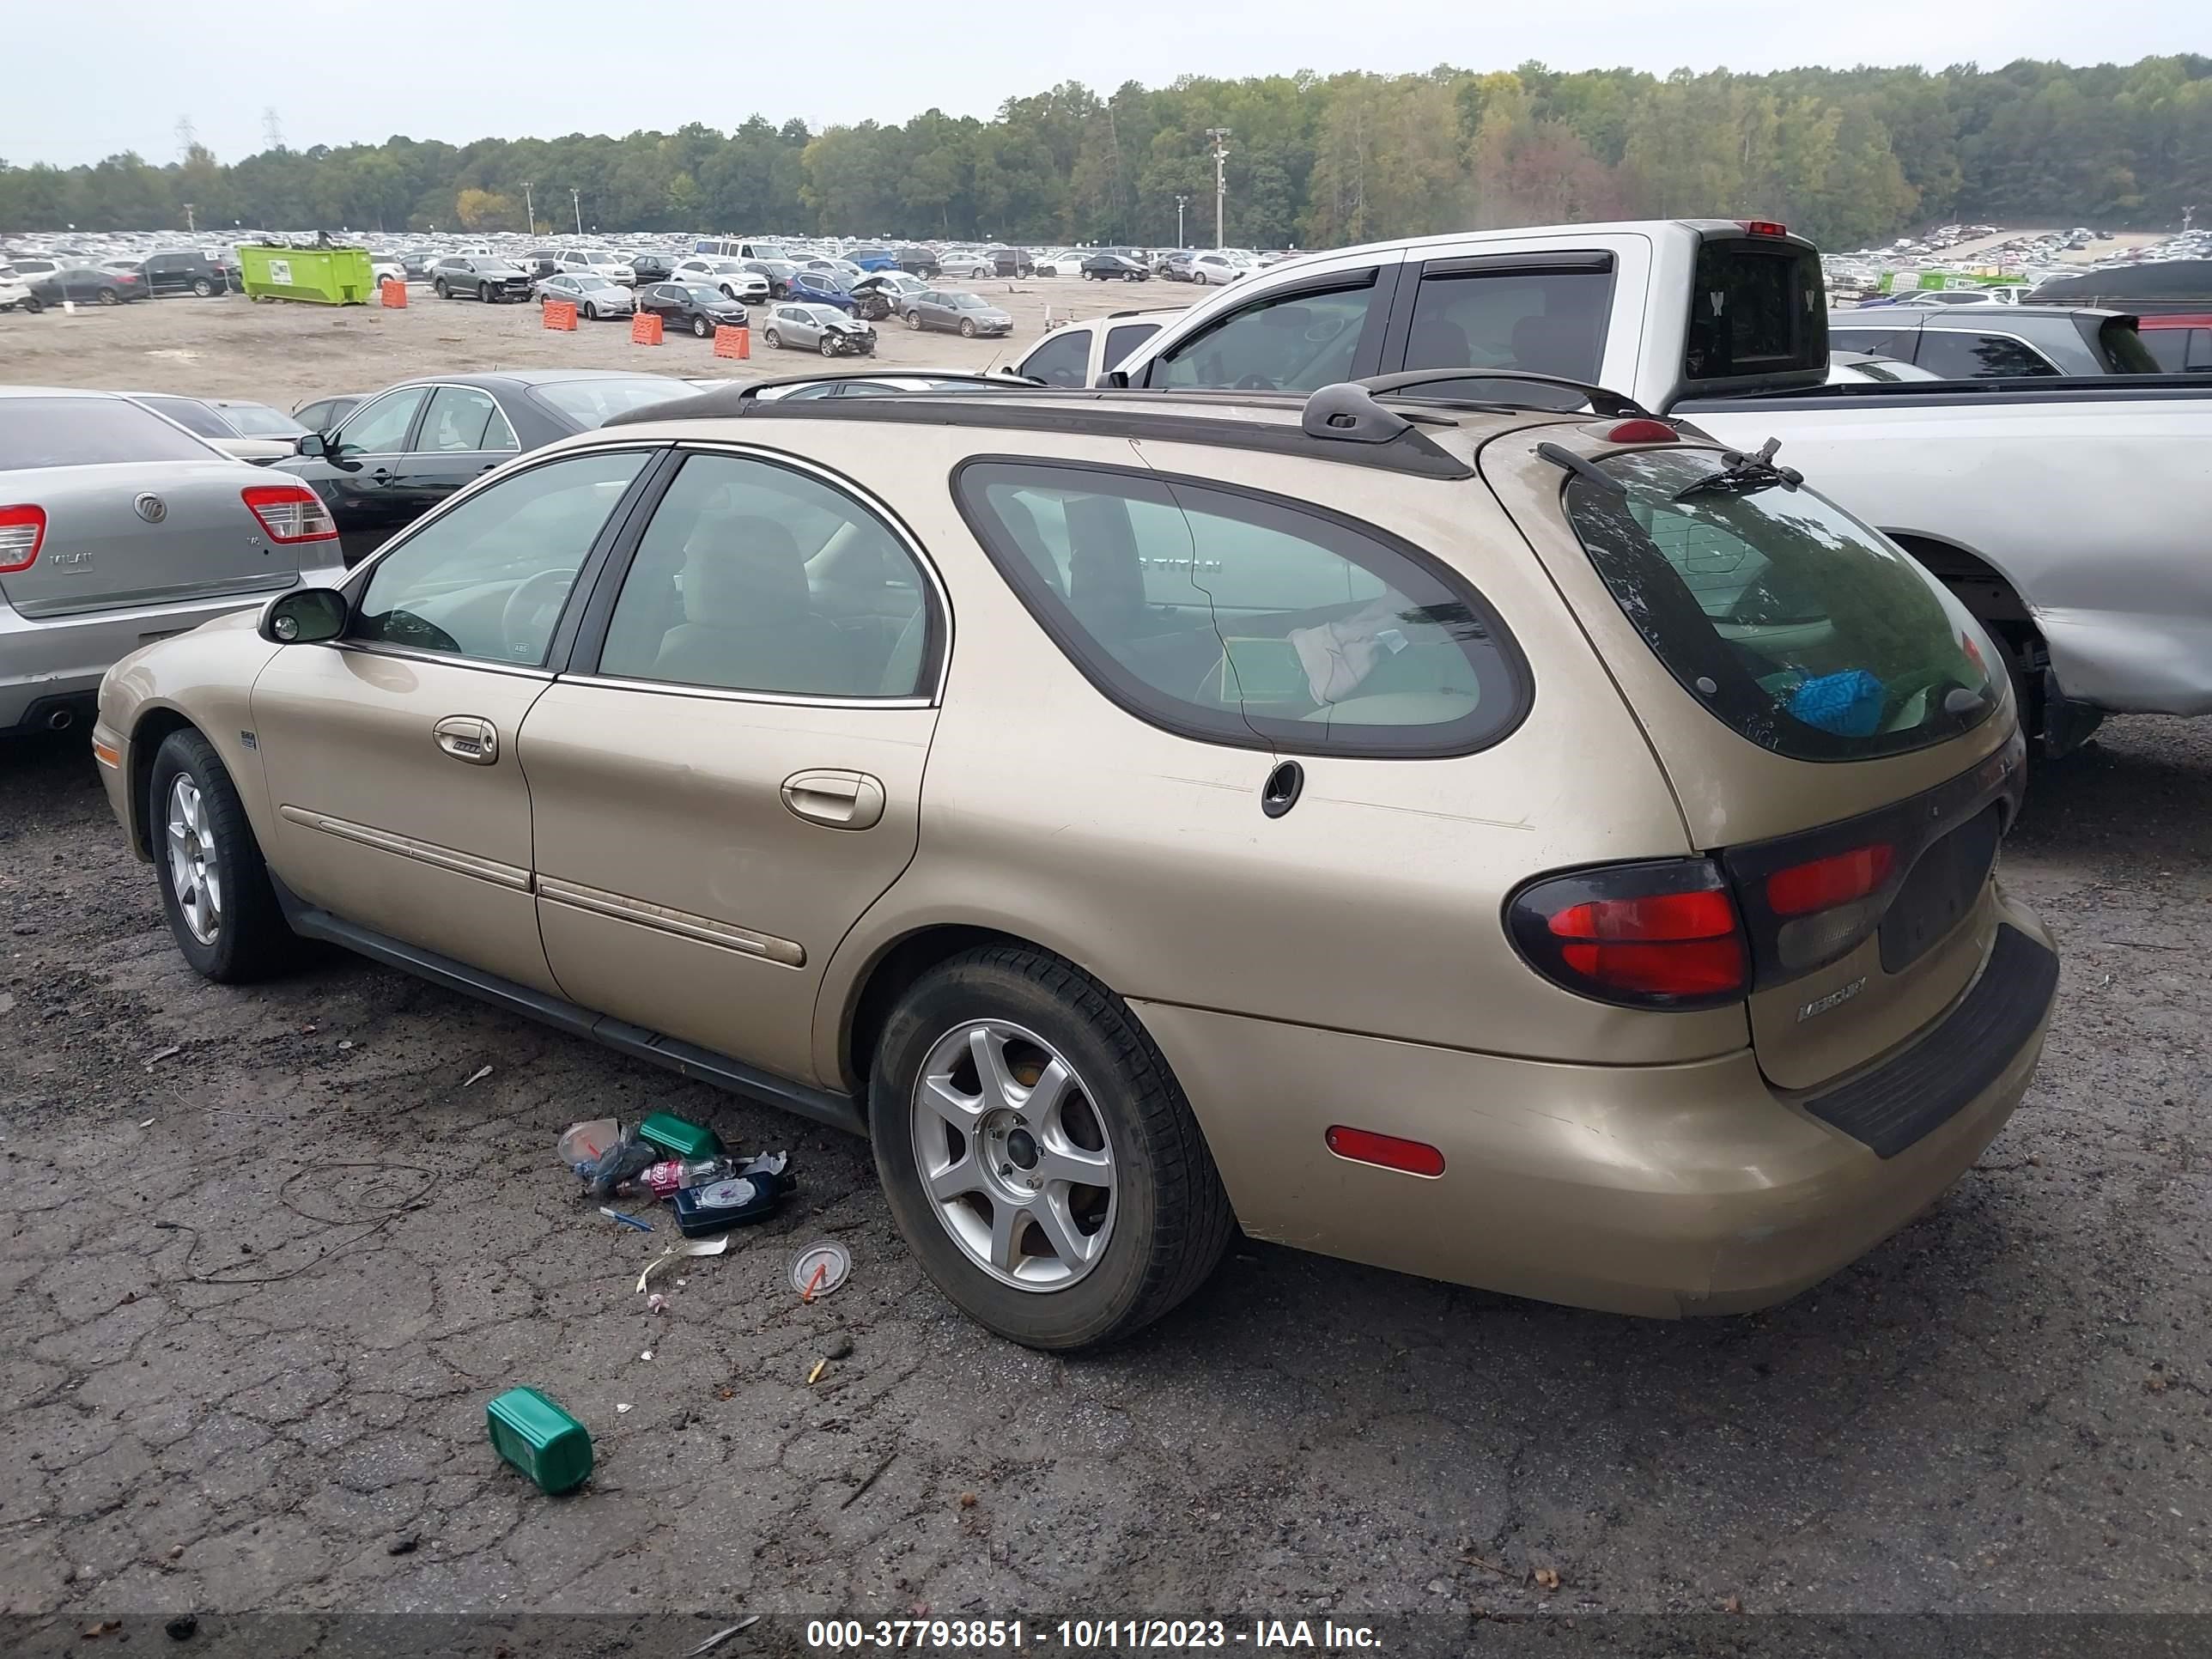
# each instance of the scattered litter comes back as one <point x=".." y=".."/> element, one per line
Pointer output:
<point x="103" y="1628"/>
<point x="681" y="1283"/>
<point x="182" y="1627"/>
<point x="722" y="1636"/>
<point x="619" y="1409"/>
<point x="531" y="1431"/>
<point x="175" y="1550"/>
<point x="1487" y="1567"/>
<point x="814" y="1376"/>
<point x="582" y="1143"/>
<point x="839" y="1346"/>
<point x="616" y="1163"/>
<point x="1548" y="1579"/>
<point x="147" y="1124"/>
<point x="819" y="1268"/>
<point x="967" y="1500"/>
<point x="677" y="1139"/>
<point x="405" y="1544"/>
<point x="647" y="1354"/>
<point x="657" y="1302"/>
<point x="701" y="1210"/>
<point x="344" y="1043"/>
<point x="626" y="1221"/>
<point x="477" y="1076"/>
<point x="160" y="1054"/>
<point x="713" y="1246"/>
<point x="874" y="1474"/>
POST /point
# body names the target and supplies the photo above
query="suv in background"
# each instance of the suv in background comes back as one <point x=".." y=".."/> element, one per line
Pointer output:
<point x="1985" y="342"/>
<point x="1079" y="354"/>
<point x="184" y="270"/>
<point x="479" y="277"/>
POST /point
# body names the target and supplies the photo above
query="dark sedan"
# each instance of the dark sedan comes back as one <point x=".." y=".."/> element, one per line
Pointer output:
<point x="699" y="306"/>
<point x="652" y="267"/>
<point x="324" y="413"/>
<point x="919" y="262"/>
<point x="1116" y="268"/>
<point x="779" y="273"/>
<point x="86" y="285"/>
<point x="410" y="445"/>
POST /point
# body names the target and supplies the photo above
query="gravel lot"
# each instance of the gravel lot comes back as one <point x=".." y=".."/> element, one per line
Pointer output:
<point x="286" y="354"/>
<point x="265" y="1255"/>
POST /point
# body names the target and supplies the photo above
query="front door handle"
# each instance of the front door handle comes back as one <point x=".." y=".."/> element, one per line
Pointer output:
<point x="842" y="800"/>
<point x="468" y="738"/>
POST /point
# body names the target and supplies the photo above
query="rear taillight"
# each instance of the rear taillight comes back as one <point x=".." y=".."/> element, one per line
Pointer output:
<point x="1827" y="905"/>
<point x="1658" y="935"/>
<point x="291" y="513"/>
<point x="22" y="530"/>
<point x="1764" y="227"/>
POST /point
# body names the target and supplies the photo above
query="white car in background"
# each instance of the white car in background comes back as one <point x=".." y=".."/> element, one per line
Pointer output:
<point x="597" y="262"/>
<point x="736" y="282"/>
<point x="14" y="290"/>
<point x="1218" y="267"/>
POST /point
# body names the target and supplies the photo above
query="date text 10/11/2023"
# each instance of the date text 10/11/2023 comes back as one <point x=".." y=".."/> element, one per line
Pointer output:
<point x="834" y="1635"/>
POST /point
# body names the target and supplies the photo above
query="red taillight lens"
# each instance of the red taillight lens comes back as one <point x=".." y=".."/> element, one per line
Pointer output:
<point x="1642" y="432"/>
<point x="22" y="530"/>
<point x="291" y="513"/>
<point x="1655" y="935"/>
<point x="1764" y="227"/>
<point x="1824" y="883"/>
<point x="1387" y="1152"/>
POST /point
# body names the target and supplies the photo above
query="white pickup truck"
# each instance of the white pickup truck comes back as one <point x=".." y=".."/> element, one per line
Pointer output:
<point x="2069" y="514"/>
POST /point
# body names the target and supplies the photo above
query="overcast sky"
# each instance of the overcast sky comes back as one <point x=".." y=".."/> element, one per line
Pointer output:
<point x="86" y="83"/>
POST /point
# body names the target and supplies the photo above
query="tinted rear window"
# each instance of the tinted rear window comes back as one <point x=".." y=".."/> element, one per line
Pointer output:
<point x="1539" y="321"/>
<point x="192" y="416"/>
<point x="1757" y="307"/>
<point x="87" y="432"/>
<point x="594" y="403"/>
<point x="1796" y="625"/>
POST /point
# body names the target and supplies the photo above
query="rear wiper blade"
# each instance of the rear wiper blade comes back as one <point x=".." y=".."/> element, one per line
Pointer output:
<point x="1583" y="466"/>
<point x="1740" y="474"/>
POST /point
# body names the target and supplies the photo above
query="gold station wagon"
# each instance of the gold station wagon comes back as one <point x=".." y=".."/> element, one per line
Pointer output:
<point x="1537" y="849"/>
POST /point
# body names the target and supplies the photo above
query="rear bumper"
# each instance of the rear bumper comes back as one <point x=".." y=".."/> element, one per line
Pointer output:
<point x="1651" y="1190"/>
<point x="57" y="661"/>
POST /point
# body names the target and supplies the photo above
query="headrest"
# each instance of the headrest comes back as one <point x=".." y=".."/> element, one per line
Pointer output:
<point x="740" y="571"/>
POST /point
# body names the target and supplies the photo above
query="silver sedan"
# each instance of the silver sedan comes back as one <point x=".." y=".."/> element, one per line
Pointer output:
<point x="594" y="297"/>
<point x="818" y="328"/>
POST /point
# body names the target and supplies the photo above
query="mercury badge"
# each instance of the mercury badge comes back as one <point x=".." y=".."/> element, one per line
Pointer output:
<point x="150" y="507"/>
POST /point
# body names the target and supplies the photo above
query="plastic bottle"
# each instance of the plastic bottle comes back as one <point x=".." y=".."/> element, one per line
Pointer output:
<point x="667" y="1178"/>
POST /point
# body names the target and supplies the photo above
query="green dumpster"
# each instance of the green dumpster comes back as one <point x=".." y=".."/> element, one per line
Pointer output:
<point x="323" y="276"/>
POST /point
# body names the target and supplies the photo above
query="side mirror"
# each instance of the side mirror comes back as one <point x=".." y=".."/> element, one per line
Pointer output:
<point x="313" y="443"/>
<point x="304" y="617"/>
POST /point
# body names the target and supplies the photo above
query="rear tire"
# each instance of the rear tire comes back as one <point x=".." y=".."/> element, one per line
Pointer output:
<point x="215" y="890"/>
<point x="203" y="288"/>
<point x="1160" y="1227"/>
<point x="34" y="304"/>
<point x="913" y="321"/>
<point x="109" y="296"/>
<point x="771" y="338"/>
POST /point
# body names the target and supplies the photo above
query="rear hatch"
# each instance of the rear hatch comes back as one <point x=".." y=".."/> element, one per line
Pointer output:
<point x="1830" y="719"/>
<point x="134" y="512"/>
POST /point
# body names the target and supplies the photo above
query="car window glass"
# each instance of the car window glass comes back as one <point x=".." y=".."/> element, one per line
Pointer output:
<point x="1874" y="342"/>
<point x="193" y="415"/>
<point x="456" y="419"/>
<point x="753" y="577"/>
<point x="1958" y="356"/>
<point x="488" y="579"/>
<point x="1125" y="339"/>
<point x="2169" y="347"/>
<point x="38" y="432"/>
<point x="1062" y="360"/>
<point x="380" y="427"/>
<point x="1247" y="620"/>
<point x="1296" y="342"/>
<point x="1543" y="322"/>
<point x="2200" y="347"/>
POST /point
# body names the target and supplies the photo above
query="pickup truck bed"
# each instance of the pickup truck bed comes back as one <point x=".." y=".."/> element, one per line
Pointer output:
<point x="2074" y="517"/>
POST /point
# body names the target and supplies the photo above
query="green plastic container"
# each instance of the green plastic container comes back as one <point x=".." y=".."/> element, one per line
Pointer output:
<point x="535" y="1435"/>
<point x="679" y="1138"/>
<point x="321" y="275"/>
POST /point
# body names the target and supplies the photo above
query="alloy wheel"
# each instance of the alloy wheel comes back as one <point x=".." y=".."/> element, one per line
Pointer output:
<point x="194" y="876"/>
<point x="1014" y="1157"/>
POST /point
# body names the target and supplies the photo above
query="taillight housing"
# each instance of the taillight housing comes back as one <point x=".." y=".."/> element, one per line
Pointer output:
<point x="1662" y="935"/>
<point x="291" y="513"/>
<point x="22" y="529"/>
<point x="1764" y="227"/>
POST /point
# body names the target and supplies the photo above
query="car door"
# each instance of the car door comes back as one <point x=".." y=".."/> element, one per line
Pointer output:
<point x="729" y="777"/>
<point x="462" y="435"/>
<point x="360" y="464"/>
<point x="1297" y="338"/>
<point x="398" y="801"/>
<point x="1538" y="311"/>
<point x="162" y="274"/>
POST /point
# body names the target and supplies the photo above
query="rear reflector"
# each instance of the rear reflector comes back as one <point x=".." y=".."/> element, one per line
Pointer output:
<point x="1660" y="935"/>
<point x="291" y="513"/>
<point x="22" y="530"/>
<point x="1764" y="227"/>
<point x="1824" y="883"/>
<point x="1386" y="1152"/>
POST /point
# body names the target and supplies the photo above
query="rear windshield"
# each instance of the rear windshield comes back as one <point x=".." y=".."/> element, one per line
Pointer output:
<point x="1796" y="625"/>
<point x="87" y="432"/>
<point x="1757" y="307"/>
<point x="594" y="403"/>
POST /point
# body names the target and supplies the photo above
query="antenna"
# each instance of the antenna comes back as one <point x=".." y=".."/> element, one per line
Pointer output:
<point x="272" y="129"/>
<point x="187" y="136"/>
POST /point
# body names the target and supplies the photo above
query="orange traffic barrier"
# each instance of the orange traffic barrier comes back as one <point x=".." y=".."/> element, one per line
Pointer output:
<point x="560" y="315"/>
<point x="393" y="292"/>
<point x="733" y="342"/>
<point x="645" y="329"/>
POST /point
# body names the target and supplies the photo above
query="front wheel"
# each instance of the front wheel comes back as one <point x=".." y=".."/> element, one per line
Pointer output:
<point x="590" y="312"/>
<point x="967" y="328"/>
<point x="440" y="289"/>
<point x="1038" y="1155"/>
<point x="829" y="348"/>
<point x="701" y="327"/>
<point x="483" y="294"/>
<point x="215" y="887"/>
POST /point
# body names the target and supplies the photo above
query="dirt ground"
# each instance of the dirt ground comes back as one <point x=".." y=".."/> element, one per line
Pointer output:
<point x="285" y="354"/>
<point x="266" y="1253"/>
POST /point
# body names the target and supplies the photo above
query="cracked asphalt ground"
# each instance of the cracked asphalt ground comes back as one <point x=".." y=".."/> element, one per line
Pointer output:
<point x="266" y="1253"/>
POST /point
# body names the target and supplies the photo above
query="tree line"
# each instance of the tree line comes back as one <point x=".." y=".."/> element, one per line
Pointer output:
<point x="1844" y="155"/>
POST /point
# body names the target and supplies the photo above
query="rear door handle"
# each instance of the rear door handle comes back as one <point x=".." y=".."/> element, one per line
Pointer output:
<point x="842" y="800"/>
<point x="468" y="738"/>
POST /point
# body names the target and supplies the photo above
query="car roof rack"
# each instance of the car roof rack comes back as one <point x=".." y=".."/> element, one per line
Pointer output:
<point x="747" y="393"/>
<point x="1611" y="405"/>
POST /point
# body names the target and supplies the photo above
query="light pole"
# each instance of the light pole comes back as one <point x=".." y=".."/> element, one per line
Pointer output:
<point x="1220" y="137"/>
<point x="529" y="211"/>
<point x="576" y="201"/>
<point x="1179" y="200"/>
